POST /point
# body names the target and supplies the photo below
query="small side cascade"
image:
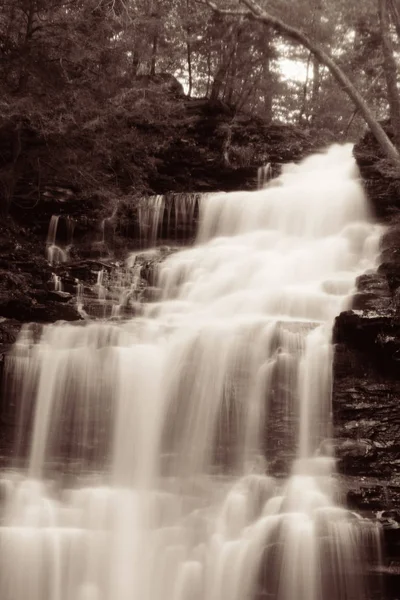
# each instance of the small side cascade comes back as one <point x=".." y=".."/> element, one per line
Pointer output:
<point x="264" y="175"/>
<point x="171" y="217"/>
<point x="117" y="292"/>
<point x="56" y="251"/>
<point x="107" y="225"/>
<point x="149" y="215"/>
<point x="79" y="298"/>
<point x="180" y="214"/>
<point x="101" y="293"/>
<point x="127" y="283"/>
<point x="57" y="282"/>
<point x="101" y="289"/>
<point x="70" y="223"/>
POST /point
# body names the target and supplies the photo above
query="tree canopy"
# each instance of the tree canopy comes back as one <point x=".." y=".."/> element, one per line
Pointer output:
<point x="83" y="65"/>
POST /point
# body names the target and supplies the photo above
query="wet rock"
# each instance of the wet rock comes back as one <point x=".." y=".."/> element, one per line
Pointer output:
<point x="366" y="416"/>
<point x="391" y="270"/>
<point x="60" y="296"/>
<point x="390" y="519"/>
<point x="366" y="497"/>
<point x="54" y="311"/>
<point x="354" y="448"/>
<point x="84" y="270"/>
<point x="25" y="277"/>
<point x="371" y="301"/>
<point x="373" y="293"/>
<point x="373" y="282"/>
<point x="150" y="260"/>
<point x="390" y="575"/>
<point x="366" y="370"/>
<point x="373" y="337"/>
<point x="9" y="330"/>
<point x="381" y="181"/>
<point x="151" y="294"/>
<point x="27" y="309"/>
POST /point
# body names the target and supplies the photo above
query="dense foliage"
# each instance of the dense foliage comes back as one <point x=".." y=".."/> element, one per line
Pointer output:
<point x="77" y="75"/>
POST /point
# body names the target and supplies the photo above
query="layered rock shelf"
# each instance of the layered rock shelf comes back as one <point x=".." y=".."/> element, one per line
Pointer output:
<point x="366" y="370"/>
<point x="366" y="385"/>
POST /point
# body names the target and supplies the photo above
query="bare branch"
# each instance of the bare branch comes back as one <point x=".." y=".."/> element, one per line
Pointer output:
<point x="225" y="11"/>
<point x="389" y="68"/>
<point x="292" y="33"/>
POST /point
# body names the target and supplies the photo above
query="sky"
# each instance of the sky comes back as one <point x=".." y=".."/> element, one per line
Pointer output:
<point x="296" y="70"/>
<point x="293" y="69"/>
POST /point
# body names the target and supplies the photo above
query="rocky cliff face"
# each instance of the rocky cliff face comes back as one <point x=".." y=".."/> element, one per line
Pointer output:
<point x="366" y="383"/>
<point x="366" y="391"/>
<point x="194" y="146"/>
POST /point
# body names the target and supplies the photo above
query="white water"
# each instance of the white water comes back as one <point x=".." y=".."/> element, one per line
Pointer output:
<point x="149" y="469"/>
<point x="264" y="175"/>
<point x="57" y="282"/>
<point x="171" y="215"/>
<point x="55" y="252"/>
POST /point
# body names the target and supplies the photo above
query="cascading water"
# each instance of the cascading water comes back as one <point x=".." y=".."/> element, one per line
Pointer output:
<point x="151" y="446"/>
<point x="56" y="252"/>
<point x="264" y="175"/>
<point x="169" y="217"/>
<point x="57" y="282"/>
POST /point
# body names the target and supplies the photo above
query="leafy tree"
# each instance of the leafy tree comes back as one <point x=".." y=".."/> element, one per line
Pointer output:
<point x="255" y="11"/>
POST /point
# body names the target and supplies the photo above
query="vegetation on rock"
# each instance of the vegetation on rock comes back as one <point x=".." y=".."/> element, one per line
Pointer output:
<point x="325" y="58"/>
<point x="90" y="101"/>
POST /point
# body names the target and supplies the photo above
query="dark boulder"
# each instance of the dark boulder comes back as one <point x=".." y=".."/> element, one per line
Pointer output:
<point x="381" y="181"/>
<point x="366" y="370"/>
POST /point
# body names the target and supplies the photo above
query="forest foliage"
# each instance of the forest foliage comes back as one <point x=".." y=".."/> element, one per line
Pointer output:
<point x="79" y="73"/>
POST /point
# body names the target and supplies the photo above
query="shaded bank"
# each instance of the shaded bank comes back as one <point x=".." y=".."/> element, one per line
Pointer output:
<point x="99" y="179"/>
<point x="367" y="359"/>
<point x="366" y="371"/>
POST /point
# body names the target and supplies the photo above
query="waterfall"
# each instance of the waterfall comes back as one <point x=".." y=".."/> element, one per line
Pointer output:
<point x="58" y="252"/>
<point x="180" y="455"/>
<point x="80" y="298"/>
<point x="106" y="224"/>
<point x="264" y="174"/>
<point x="57" y="282"/>
<point x="169" y="217"/>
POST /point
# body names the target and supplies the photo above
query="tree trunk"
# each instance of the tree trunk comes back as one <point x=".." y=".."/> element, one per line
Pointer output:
<point x="390" y="70"/>
<point x="316" y="86"/>
<point x="154" y="13"/>
<point x="230" y="81"/>
<point x="289" y="32"/>
<point x="218" y="82"/>
<point x="394" y="9"/>
<point x="228" y="50"/>
<point x="231" y="75"/>
<point x="268" y="93"/>
<point x="220" y="75"/>
<point x="135" y="61"/>
<point x="189" y="49"/>
<point x="189" y="62"/>
<point x="208" y="71"/>
<point x="154" y="55"/>
<point x="25" y="50"/>
<point x="344" y="82"/>
<point x="248" y="90"/>
<point x="303" y="116"/>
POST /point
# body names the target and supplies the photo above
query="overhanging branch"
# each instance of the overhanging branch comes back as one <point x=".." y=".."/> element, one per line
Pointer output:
<point x="296" y="35"/>
<point x="225" y="11"/>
